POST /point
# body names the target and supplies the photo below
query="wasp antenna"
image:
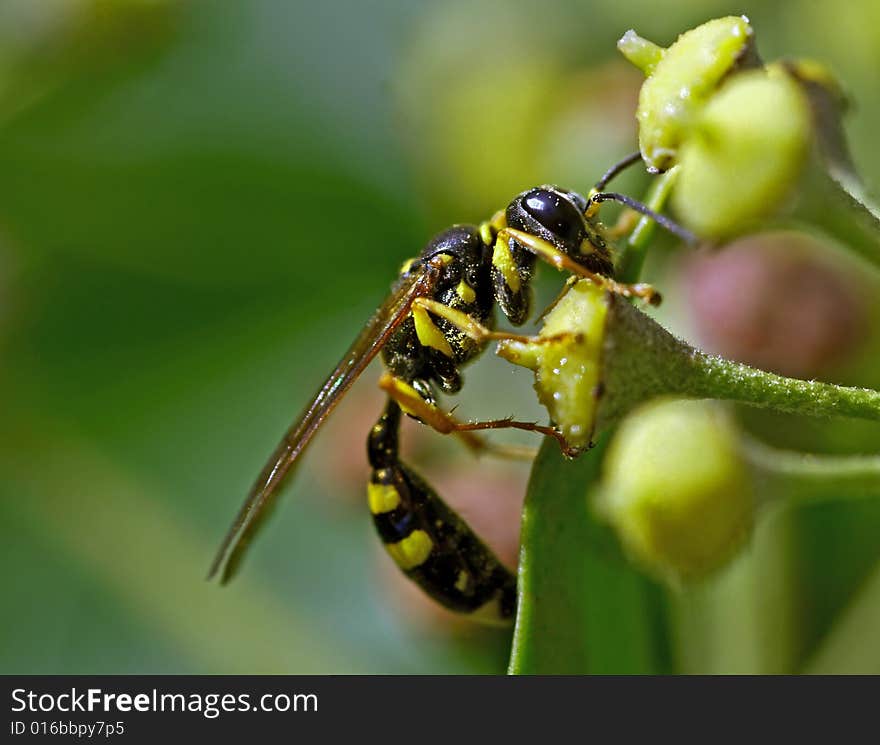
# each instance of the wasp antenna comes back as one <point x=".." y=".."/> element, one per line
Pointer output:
<point x="616" y="169"/>
<point x="664" y="222"/>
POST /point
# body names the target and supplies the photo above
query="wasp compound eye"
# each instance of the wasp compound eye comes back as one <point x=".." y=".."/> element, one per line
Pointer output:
<point x="555" y="213"/>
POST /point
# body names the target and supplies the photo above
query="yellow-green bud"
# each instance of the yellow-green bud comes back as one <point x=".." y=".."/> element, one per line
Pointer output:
<point x="681" y="79"/>
<point x="743" y="155"/>
<point x="566" y="359"/>
<point x="677" y="490"/>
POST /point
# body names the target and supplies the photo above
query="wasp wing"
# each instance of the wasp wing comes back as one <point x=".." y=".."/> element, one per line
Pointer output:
<point x="366" y="346"/>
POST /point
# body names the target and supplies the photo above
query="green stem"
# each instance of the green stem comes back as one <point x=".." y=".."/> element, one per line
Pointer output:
<point x="636" y="245"/>
<point x="643" y="360"/>
<point x="800" y="477"/>
<point x="715" y="377"/>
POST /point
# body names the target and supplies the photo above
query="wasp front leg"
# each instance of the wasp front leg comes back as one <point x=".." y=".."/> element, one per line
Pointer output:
<point x="463" y="322"/>
<point x="430" y="543"/>
<point x="553" y="256"/>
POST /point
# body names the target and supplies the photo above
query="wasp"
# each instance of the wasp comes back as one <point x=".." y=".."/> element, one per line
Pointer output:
<point x="438" y="317"/>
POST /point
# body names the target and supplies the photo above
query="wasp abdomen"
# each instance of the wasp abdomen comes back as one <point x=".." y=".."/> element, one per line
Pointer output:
<point x="427" y="539"/>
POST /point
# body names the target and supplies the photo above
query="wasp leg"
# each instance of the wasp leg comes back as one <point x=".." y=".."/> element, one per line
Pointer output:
<point x="624" y="225"/>
<point x="480" y="333"/>
<point x="409" y="400"/>
<point x="427" y="412"/>
<point x="463" y="322"/>
<point x="511" y="423"/>
<point x="569" y="283"/>
<point x="553" y="256"/>
<point x="430" y="543"/>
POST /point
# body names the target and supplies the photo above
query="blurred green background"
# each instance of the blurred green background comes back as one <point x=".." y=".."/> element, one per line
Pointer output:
<point x="201" y="202"/>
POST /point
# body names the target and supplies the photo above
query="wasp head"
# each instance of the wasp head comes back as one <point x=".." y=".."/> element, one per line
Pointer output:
<point x="559" y="216"/>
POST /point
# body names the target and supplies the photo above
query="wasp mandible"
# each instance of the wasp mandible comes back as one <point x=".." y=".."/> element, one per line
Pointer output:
<point x="438" y="317"/>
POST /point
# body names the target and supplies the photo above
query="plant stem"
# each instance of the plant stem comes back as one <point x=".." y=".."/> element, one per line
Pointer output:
<point x="802" y="477"/>
<point x="715" y="377"/>
<point x="643" y="360"/>
<point x="637" y="243"/>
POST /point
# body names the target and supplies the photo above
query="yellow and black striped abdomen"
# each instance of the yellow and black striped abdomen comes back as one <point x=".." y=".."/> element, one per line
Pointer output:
<point x="428" y="540"/>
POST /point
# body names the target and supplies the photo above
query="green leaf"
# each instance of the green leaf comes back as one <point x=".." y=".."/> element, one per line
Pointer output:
<point x="582" y="607"/>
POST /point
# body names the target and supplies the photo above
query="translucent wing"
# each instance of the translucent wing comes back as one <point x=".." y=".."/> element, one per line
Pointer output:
<point x="262" y="495"/>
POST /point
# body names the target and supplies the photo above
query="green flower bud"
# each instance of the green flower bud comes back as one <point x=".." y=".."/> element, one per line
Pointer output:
<point x="677" y="490"/>
<point x="681" y="79"/>
<point x="744" y="154"/>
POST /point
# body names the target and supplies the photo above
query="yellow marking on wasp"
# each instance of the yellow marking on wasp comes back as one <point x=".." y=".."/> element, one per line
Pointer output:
<point x="462" y="581"/>
<point x="382" y="498"/>
<point x="428" y="333"/>
<point x="586" y="247"/>
<point x="445" y="259"/>
<point x="490" y="228"/>
<point x="466" y="292"/>
<point x="407" y="397"/>
<point x="412" y="550"/>
<point x="462" y="321"/>
<point x="544" y="249"/>
<point x="502" y="260"/>
<point x="592" y="207"/>
<point x="406" y="266"/>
